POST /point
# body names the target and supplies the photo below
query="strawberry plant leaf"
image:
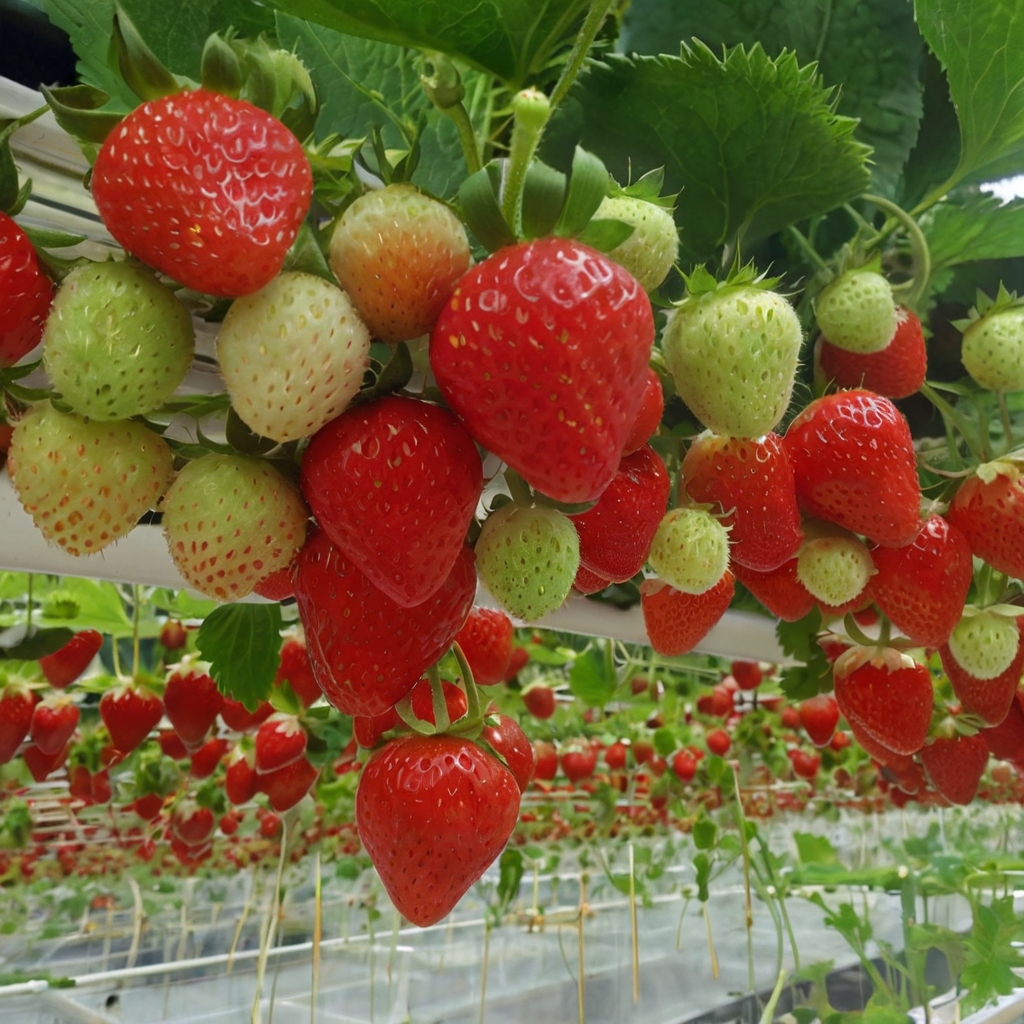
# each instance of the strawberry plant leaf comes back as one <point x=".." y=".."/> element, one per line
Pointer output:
<point x="753" y="144"/>
<point x="981" y="229"/>
<point x="869" y="48"/>
<point x="815" y="849"/>
<point x="990" y="955"/>
<point x="242" y="643"/>
<point x="800" y="639"/>
<point x="590" y="680"/>
<point x="981" y="46"/>
<point x="364" y="84"/>
<point x="512" y="39"/>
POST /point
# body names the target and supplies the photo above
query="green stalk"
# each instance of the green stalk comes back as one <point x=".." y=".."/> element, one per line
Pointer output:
<point x="912" y="291"/>
<point x="769" y="1010"/>
<point x="808" y="250"/>
<point x="1004" y="416"/>
<point x="950" y="415"/>
<point x="136" y="605"/>
<point x="531" y="110"/>
<point x="444" y="87"/>
<point x="584" y="40"/>
<point x="518" y="488"/>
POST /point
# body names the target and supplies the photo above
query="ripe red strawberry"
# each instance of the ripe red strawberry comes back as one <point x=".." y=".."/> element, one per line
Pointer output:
<point x="520" y="656"/>
<point x="547" y="761"/>
<point x="240" y="779"/>
<point x="235" y="716"/>
<point x="558" y="410"/>
<point x="398" y="254"/>
<point x="539" y="700"/>
<point x="368" y="652"/>
<point x="887" y="695"/>
<point x="684" y="764"/>
<point x="677" y="622"/>
<point x="296" y="670"/>
<point x="752" y="486"/>
<point x="191" y="823"/>
<point x="922" y="587"/>
<point x="63" y="667"/>
<point x="86" y="484"/>
<point x="819" y="716"/>
<point x="148" y="806"/>
<point x="394" y="484"/>
<point x="648" y="419"/>
<point x="955" y="765"/>
<point x="509" y="742"/>
<point x="433" y="812"/>
<point x="779" y="590"/>
<point x="16" y="707"/>
<point x="616" y="534"/>
<point x="130" y="713"/>
<point x="208" y="190"/>
<point x="896" y="371"/>
<point x="854" y="464"/>
<point x="615" y="756"/>
<point x="171" y="745"/>
<point x="578" y="763"/>
<point x="989" y="699"/>
<point x="276" y="586"/>
<point x="486" y="641"/>
<point x="292" y="356"/>
<point x="42" y="765"/>
<point x="27" y="293"/>
<point x="587" y="582"/>
<point x="748" y="674"/>
<point x="54" y="719"/>
<point x="1006" y="740"/>
<point x="288" y="785"/>
<point x="805" y="764"/>
<point x="229" y="521"/>
<point x="279" y="741"/>
<point x="989" y="510"/>
<point x="205" y="760"/>
<point x="718" y="742"/>
<point x="191" y="701"/>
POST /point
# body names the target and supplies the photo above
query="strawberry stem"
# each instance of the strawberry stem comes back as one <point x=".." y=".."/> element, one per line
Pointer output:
<point x="910" y="291"/>
<point x="584" y="40"/>
<point x="443" y="85"/>
<point x="531" y="110"/>
<point x="951" y="416"/>
<point x="136" y="608"/>
<point x="518" y="488"/>
<point x="1004" y="416"/>
<point x="441" y="719"/>
<point x="809" y="251"/>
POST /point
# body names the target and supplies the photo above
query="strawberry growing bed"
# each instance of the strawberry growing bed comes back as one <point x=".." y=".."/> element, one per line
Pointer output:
<point x="520" y="443"/>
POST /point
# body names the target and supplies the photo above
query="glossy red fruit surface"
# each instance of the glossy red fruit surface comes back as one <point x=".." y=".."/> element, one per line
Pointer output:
<point x="989" y="510"/>
<point x="558" y="408"/>
<point x="648" y="419"/>
<point x="63" y="667"/>
<point x="508" y="740"/>
<point x="27" y="293"/>
<point x="208" y="190"/>
<point x="677" y="622"/>
<point x="130" y="713"/>
<point x="486" y="641"/>
<point x="433" y="812"/>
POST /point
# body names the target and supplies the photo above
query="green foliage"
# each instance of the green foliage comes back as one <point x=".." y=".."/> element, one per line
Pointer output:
<point x="981" y="47"/>
<point x="753" y="143"/>
<point x="815" y="849"/>
<point x="511" y="39"/>
<point x="592" y="679"/>
<point x="990" y="953"/>
<point x="870" y="50"/>
<point x="980" y="229"/>
<point x="242" y="642"/>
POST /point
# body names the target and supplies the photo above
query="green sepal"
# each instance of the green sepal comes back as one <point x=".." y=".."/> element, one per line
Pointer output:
<point x="396" y="373"/>
<point x="277" y="81"/>
<point x="588" y="185"/>
<point x="480" y="210"/>
<point x="700" y="281"/>
<point x="605" y="233"/>
<point x="140" y="68"/>
<point x="12" y="196"/>
<point x="77" y="110"/>
<point x="306" y="256"/>
<point x="648" y="189"/>
<point x="543" y="199"/>
<point x="985" y="306"/>
<point x="243" y="439"/>
<point x="221" y="71"/>
<point x="47" y="238"/>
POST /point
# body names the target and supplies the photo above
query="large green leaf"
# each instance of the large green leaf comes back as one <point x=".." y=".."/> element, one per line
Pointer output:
<point x="512" y="39"/>
<point x="937" y="150"/>
<point x="753" y="143"/>
<point x="174" y="29"/>
<point x="364" y="84"/>
<point x="870" y="48"/>
<point x="242" y="643"/>
<point x="981" y="45"/>
<point x="983" y="229"/>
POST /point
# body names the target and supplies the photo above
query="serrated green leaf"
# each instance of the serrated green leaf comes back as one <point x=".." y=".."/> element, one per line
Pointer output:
<point x="590" y="680"/>
<point x="815" y="849"/>
<point x="553" y="656"/>
<point x="665" y="741"/>
<point x="364" y="84"/>
<point x="990" y="955"/>
<point x="753" y="144"/>
<point x="512" y="39"/>
<point x="981" y="229"/>
<point x="870" y="49"/>
<point x="242" y="643"/>
<point x="702" y="866"/>
<point x="937" y="150"/>
<point x="799" y="639"/>
<point x="981" y="45"/>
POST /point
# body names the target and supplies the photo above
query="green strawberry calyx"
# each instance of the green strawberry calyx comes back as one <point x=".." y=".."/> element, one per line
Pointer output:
<point x="985" y="307"/>
<point x="701" y="282"/>
<point x="647" y="189"/>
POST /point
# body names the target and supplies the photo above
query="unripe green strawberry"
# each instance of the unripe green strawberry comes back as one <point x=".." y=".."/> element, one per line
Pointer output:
<point x="117" y="342"/>
<point x="86" y="484"/>
<point x="985" y="644"/>
<point x="648" y="253"/>
<point x="292" y="355"/>
<point x="690" y="550"/>
<point x="834" y="567"/>
<point x="527" y="557"/>
<point x="857" y="312"/>
<point x="230" y="521"/>
<point x="733" y="354"/>
<point x="993" y="350"/>
<point x="398" y="254"/>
